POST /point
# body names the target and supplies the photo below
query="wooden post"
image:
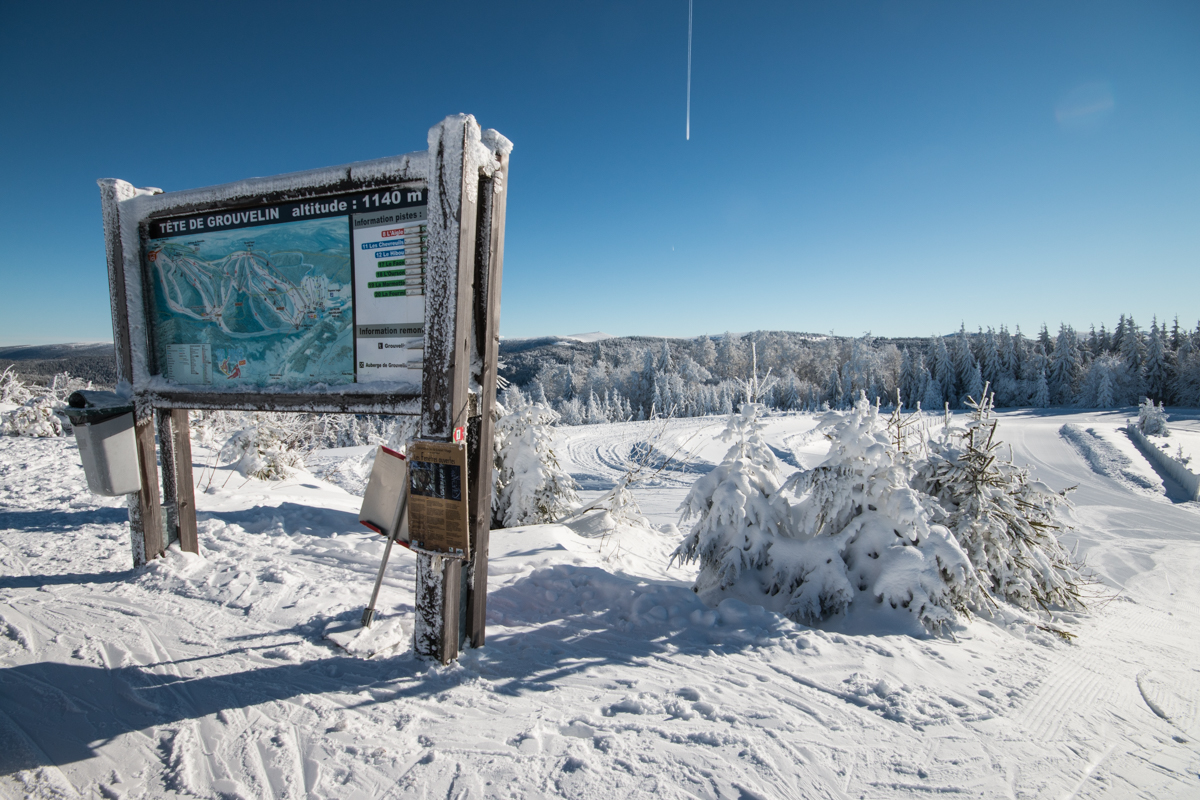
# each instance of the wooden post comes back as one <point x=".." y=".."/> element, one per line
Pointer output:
<point x="453" y="197"/>
<point x="185" y="487"/>
<point x="145" y="520"/>
<point x="166" y="461"/>
<point x="179" y="491"/>
<point x="489" y="270"/>
<point x="149" y="509"/>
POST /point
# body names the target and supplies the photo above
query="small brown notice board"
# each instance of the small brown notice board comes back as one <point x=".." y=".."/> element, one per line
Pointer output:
<point x="437" y="505"/>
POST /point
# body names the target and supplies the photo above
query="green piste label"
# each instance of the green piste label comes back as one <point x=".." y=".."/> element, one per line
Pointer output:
<point x="389" y="273"/>
<point x="395" y="262"/>
<point x="383" y="284"/>
<point x="391" y="293"/>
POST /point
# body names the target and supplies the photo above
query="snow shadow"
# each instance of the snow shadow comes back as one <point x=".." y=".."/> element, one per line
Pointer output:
<point x="566" y="620"/>
<point x="58" y="520"/>
<point x="67" y="579"/>
<point x="554" y="625"/>
<point x="1171" y="487"/>
<point x="62" y="713"/>
<point x="291" y="518"/>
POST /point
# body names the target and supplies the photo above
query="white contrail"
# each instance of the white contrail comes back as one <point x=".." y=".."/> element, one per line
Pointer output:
<point x="688" y="134"/>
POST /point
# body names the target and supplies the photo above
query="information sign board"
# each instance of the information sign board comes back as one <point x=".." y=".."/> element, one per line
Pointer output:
<point x="437" y="504"/>
<point x="328" y="290"/>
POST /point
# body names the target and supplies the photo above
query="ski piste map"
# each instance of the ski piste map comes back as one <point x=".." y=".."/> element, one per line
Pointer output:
<point x="265" y="296"/>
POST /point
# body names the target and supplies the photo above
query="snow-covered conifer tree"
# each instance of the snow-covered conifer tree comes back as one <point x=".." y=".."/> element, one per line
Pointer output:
<point x="833" y="389"/>
<point x="529" y="486"/>
<point x="594" y="413"/>
<point x="857" y="508"/>
<point x="1118" y="337"/>
<point x="706" y="353"/>
<point x="1106" y="396"/>
<point x="737" y="510"/>
<point x="1160" y="366"/>
<point x="1133" y="351"/>
<point x="932" y="400"/>
<point x="964" y="360"/>
<point x="1044" y="340"/>
<point x="1065" y="367"/>
<point x="990" y="367"/>
<point x="1008" y="524"/>
<point x="1041" y="392"/>
<point x="975" y="384"/>
<point x="857" y="533"/>
<point x="943" y="369"/>
<point x="1152" y="419"/>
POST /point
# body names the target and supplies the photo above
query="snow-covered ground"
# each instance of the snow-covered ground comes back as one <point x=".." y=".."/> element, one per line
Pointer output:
<point x="603" y="675"/>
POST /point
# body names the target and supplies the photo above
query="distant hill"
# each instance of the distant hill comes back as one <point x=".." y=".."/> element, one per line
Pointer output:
<point x="40" y="362"/>
<point x="520" y="359"/>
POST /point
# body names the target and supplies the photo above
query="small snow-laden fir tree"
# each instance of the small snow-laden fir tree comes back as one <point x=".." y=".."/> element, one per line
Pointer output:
<point x="528" y="484"/>
<point x="1007" y="523"/>
<point x="1041" y="392"/>
<point x="12" y="388"/>
<point x="35" y="417"/>
<point x="858" y="532"/>
<point x="1152" y="419"/>
<point x="268" y="448"/>
<point x="1160" y="365"/>
<point x="738" y="512"/>
<point x="858" y="506"/>
<point x="932" y="399"/>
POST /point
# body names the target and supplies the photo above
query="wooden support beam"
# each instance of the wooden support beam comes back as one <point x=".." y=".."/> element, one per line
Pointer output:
<point x="166" y="460"/>
<point x="149" y="511"/>
<point x="453" y="200"/>
<point x="489" y="271"/>
<point x="185" y="487"/>
<point x="145" y="520"/>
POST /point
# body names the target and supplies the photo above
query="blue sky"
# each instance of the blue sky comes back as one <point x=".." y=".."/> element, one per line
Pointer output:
<point x="898" y="167"/>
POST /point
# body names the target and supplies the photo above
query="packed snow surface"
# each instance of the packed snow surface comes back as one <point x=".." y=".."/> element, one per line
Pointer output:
<point x="603" y="674"/>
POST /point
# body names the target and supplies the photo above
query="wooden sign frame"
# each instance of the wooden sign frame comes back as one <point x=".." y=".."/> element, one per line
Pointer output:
<point x="464" y="171"/>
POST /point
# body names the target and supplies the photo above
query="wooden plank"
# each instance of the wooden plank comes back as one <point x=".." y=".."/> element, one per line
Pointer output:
<point x="166" y="460"/>
<point x="453" y="196"/>
<point x="451" y="607"/>
<point x="487" y="328"/>
<point x="112" y="192"/>
<point x="185" y="488"/>
<point x="399" y="404"/>
<point x="145" y="526"/>
<point x="148" y="502"/>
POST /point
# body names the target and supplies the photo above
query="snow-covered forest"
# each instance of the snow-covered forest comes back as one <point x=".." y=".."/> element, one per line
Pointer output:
<point x="638" y="378"/>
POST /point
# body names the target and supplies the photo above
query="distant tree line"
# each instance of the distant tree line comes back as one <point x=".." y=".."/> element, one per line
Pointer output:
<point x="640" y="378"/>
<point x="100" y="370"/>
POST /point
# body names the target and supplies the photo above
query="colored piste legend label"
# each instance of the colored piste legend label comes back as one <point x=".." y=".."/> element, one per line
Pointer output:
<point x="390" y="250"/>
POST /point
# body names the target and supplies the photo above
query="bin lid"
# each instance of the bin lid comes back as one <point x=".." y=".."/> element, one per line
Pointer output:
<point x="88" y="406"/>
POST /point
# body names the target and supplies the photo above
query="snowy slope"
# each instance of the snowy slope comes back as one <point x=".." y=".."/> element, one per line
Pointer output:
<point x="603" y="675"/>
